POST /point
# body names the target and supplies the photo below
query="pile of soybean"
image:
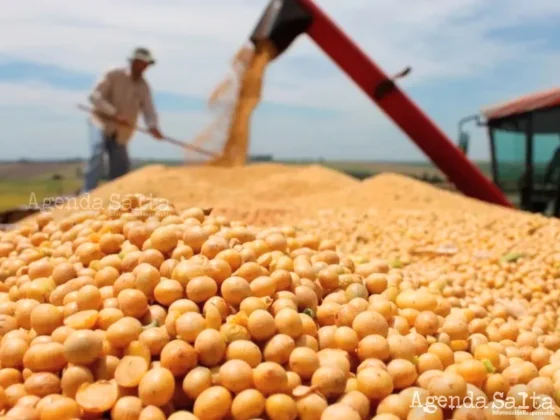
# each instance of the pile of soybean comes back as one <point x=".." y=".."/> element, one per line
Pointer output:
<point x="144" y="311"/>
<point x="269" y="194"/>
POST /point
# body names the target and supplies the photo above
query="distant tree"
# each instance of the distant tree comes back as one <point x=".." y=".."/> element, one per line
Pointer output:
<point x="57" y="177"/>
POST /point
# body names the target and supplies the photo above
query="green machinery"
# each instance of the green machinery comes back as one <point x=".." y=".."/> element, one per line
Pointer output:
<point x="524" y="137"/>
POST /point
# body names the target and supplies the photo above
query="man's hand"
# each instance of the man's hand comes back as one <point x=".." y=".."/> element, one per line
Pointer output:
<point x="156" y="133"/>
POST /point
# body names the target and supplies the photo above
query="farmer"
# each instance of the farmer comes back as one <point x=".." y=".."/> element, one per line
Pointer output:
<point x="118" y="98"/>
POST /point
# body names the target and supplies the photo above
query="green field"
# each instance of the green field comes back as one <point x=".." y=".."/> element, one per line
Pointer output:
<point x="20" y="187"/>
<point x="21" y="182"/>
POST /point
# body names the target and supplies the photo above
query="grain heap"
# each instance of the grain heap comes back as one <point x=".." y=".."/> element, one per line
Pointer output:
<point x="390" y="191"/>
<point x="142" y="310"/>
<point x="240" y="188"/>
<point x="270" y="194"/>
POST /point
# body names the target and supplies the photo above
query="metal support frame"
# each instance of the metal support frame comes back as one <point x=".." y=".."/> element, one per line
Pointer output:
<point x="527" y="192"/>
<point x="284" y="20"/>
<point x="476" y="118"/>
<point x="556" y="205"/>
<point x="493" y="157"/>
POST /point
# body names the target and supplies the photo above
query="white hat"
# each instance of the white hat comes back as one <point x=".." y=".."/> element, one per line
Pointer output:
<point x="142" y="54"/>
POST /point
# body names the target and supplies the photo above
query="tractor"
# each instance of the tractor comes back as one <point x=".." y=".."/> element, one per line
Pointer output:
<point x="524" y="137"/>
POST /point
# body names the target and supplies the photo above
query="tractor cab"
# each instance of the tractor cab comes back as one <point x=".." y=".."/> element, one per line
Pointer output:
<point x="524" y="139"/>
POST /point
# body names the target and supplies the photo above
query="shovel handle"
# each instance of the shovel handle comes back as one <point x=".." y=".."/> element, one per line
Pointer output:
<point x="145" y="130"/>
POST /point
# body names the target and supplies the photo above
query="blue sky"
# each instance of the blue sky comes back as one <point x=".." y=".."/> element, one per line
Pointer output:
<point x="465" y="54"/>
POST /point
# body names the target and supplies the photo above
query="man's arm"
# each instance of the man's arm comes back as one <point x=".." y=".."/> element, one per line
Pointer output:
<point x="100" y="92"/>
<point x="150" y="114"/>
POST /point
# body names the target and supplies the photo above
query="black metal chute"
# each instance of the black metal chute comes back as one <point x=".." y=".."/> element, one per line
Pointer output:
<point x="281" y="23"/>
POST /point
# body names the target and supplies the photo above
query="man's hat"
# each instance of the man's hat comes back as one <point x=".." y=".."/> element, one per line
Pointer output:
<point x="142" y="54"/>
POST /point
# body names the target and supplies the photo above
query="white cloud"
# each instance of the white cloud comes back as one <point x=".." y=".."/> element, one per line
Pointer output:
<point x="193" y="40"/>
<point x="38" y="95"/>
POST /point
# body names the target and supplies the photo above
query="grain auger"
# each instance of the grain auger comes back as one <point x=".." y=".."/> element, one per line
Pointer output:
<point x="284" y="20"/>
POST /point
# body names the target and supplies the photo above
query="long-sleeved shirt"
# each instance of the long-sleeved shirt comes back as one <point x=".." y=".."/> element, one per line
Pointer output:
<point x="117" y="93"/>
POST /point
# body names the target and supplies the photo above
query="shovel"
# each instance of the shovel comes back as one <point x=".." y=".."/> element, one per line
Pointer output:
<point x="183" y="145"/>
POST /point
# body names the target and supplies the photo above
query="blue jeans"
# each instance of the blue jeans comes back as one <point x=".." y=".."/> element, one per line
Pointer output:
<point x="102" y="143"/>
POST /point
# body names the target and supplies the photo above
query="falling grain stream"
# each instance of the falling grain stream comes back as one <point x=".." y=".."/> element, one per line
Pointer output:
<point x="237" y="140"/>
